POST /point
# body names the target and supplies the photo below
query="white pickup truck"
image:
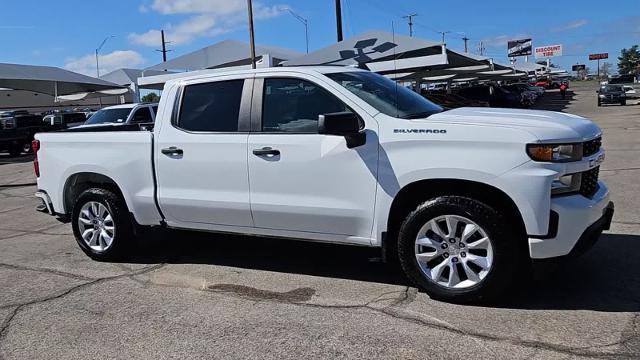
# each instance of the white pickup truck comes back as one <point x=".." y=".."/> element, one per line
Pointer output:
<point x="463" y="199"/>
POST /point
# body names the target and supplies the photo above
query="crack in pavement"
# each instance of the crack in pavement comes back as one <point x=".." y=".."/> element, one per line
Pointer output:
<point x="4" y="327"/>
<point x="435" y="323"/>
<point x="7" y="186"/>
<point x="41" y="231"/>
<point x="46" y="271"/>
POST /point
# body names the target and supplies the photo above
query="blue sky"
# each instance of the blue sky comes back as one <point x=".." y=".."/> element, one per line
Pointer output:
<point x="65" y="33"/>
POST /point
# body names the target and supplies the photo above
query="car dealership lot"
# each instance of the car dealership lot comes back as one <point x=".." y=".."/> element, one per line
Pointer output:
<point x="189" y="295"/>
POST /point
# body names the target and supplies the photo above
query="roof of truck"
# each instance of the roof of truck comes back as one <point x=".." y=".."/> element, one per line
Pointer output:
<point x="128" y="106"/>
<point x="316" y="69"/>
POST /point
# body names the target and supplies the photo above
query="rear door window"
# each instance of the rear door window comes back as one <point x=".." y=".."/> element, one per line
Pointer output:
<point x="211" y="107"/>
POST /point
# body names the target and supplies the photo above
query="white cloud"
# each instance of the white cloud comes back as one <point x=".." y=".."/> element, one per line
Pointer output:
<point x="108" y="62"/>
<point x="501" y="40"/>
<point x="208" y="18"/>
<point x="569" y="25"/>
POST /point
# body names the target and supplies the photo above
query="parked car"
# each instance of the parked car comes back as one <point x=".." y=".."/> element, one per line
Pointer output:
<point x="630" y="92"/>
<point x="453" y="101"/>
<point x="612" y="94"/>
<point x="17" y="129"/>
<point x="496" y="96"/>
<point x="64" y="120"/>
<point x="463" y="199"/>
<point x="543" y="83"/>
<point x="527" y="97"/>
<point x="125" y="114"/>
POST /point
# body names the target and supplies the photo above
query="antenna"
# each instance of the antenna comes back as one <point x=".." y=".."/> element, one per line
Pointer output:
<point x="410" y="18"/>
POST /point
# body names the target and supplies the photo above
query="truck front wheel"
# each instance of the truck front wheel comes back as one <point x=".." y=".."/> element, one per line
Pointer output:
<point x="458" y="249"/>
<point x="101" y="224"/>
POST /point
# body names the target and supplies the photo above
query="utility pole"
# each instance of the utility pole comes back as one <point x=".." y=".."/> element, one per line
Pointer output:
<point x="251" y="39"/>
<point x="481" y="48"/>
<point x="465" y="39"/>
<point x="339" y="20"/>
<point x="410" y="18"/>
<point x="164" y="50"/>
<point x="443" y="34"/>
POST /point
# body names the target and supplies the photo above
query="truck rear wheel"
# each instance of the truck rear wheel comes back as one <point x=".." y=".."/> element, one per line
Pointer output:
<point x="101" y="224"/>
<point x="15" y="150"/>
<point x="458" y="249"/>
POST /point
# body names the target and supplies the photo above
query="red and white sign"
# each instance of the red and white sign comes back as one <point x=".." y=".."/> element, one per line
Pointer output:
<point x="548" y="51"/>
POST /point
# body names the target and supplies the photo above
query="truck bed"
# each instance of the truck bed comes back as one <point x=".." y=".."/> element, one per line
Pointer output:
<point x="120" y="154"/>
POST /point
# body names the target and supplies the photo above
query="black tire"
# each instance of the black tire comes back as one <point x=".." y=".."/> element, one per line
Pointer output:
<point x="599" y="103"/>
<point x="623" y="102"/>
<point x="504" y="241"/>
<point x="123" y="237"/>
<point x="15" y="150"/>
<point x="26" y="148"/>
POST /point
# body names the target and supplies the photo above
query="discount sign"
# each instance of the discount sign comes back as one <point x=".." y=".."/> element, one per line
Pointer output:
<point x="548" y="51"/>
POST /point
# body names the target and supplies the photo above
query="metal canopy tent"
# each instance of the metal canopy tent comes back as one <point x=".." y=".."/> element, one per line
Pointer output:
<point x="405" y="58"/>
<point x="50" y="80"/>
<point x="226" y="53"/>
<point x="378" y="51"/>
<point x="126" y="77"/>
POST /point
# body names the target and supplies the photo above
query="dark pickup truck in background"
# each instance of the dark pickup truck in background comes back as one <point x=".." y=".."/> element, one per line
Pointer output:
<point x="17" y="129"/>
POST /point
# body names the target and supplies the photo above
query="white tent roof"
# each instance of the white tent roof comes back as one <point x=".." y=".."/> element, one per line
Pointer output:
<point x="125" y="76"/>
<point x="226" y="53"/>
<point x="49" y="80"/>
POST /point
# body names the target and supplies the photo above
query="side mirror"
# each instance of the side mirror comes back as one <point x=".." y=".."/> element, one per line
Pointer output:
<point x="340" y="123"/>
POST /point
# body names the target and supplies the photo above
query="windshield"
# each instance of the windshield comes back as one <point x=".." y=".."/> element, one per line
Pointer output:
<point x="611" y="88"/>
<point x="109" y="116"/>
<point x="385" y="95"/>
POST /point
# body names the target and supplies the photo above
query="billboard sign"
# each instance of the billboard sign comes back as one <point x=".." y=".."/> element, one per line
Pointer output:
<point x="598" y="56"/>
<point x="520" y="47"/>
<point x="548" y="51"/>
<point x="578" y="67"/>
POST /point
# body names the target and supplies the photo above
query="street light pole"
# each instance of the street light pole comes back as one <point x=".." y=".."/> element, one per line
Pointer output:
<point x="98" y="63"/>
<point x="97" y="51"/>
<point x="306" y="27"/>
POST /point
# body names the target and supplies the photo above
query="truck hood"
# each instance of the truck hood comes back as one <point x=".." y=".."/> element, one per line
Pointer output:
<point x="545" y="125"/>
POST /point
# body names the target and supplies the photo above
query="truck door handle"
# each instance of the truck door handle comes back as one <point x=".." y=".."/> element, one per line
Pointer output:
<point x="172" y="151"/>
<point x="266" y="151"/>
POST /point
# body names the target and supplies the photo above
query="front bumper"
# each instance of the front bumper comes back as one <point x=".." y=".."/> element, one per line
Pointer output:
<point x="580" y="220"/>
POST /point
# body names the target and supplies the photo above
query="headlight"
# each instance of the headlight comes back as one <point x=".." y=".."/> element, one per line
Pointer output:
<point x="555" y="152"/>
<point x="566" y="184"/>
<point x="601" y="96"/>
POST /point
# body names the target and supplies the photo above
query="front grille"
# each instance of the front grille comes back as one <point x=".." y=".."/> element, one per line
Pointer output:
<point x="589" y="182"/>
<point x="591" y="147"/>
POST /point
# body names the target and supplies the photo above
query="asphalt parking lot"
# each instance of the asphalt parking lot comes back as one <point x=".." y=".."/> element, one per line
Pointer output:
<point x="202" y="295"/>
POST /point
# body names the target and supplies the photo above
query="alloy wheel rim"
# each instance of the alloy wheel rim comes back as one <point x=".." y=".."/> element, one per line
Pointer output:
<point x="453" y="251"/>
<point x="96" y="226"/>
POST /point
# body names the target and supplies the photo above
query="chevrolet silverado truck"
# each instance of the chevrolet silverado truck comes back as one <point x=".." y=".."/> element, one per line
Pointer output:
<point x="462" y="199"/>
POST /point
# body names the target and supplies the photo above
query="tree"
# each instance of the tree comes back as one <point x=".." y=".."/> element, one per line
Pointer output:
<point x="151" y="97"/>
<point x="629" y="61"/>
